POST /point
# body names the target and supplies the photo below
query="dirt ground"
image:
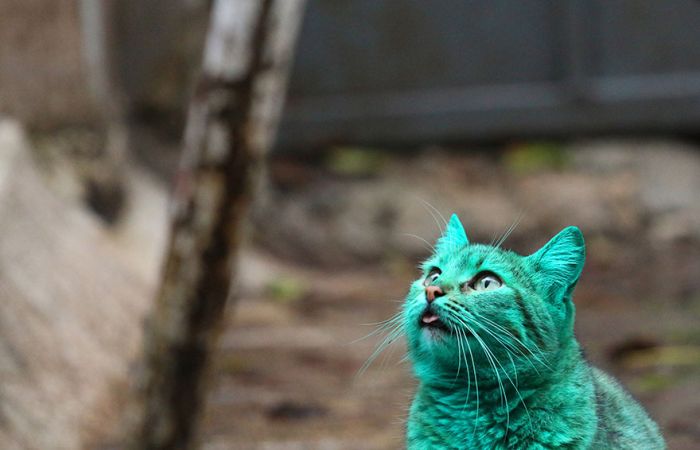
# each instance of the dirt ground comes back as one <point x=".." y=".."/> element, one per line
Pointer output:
<point x="335" y="242"/>
<point x="288" y="374"/>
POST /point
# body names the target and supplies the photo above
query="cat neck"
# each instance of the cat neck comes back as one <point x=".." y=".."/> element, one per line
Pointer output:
<point x="493" y="374"/>
<point x="494" y="411"/>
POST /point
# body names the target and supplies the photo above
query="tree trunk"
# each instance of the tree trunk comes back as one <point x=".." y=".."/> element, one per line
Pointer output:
<point x="231" y="122"/>
<point x="105" y="187"/>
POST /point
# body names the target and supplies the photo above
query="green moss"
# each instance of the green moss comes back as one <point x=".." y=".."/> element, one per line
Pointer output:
<point x="286" y="289"/>
<point x="535" y="156"/>
<point x="356" y="161"/>
<point x="652" y="382"/>
<point x="663" y="356"/>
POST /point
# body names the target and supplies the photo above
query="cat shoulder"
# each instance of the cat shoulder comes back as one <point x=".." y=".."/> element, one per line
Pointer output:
<point x="622" y="422"/>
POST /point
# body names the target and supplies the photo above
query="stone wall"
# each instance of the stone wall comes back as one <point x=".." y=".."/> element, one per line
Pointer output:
<point x="43" y="79"/>
<point x="73" y="295"/>
<point x="41" y="75"/>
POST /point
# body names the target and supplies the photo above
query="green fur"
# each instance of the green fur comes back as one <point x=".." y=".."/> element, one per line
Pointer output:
<point x="531" y="389"/>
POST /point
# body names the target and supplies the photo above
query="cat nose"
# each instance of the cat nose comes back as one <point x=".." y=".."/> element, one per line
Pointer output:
<point x="433" y="292"/>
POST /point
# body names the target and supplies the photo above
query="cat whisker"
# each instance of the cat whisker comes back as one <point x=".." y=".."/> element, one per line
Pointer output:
<point x="515" y="369"/>
<point x="504" y="330"/>
<point x="505" y="372"/>
<point x="489" y="355"/>
<point x="388" y="340"/>
<point x="391" y="337"/>
<point x="506" y="234"/>
<point x="463" y="352"/>
<point x="537" y="355"/>
<point x="430" y="246"/>
<point x="459" y="360"/>
<point x="395" y="317"/>
<point x="492" y="360"/>
<point x="383" y="326"/>
<point x="460" y="353"/>
<point x="476" y="384"/>
<point x="507" y="345"/>
<point x="510" y="230"/>
<point x="437" y="211"/>
<point x="391" y="351"/>
<point x="495" y="238"/>
<point x="427" y="205"/>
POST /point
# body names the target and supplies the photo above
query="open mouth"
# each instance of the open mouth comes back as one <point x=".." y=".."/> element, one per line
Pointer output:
<point x="431" y="320"/>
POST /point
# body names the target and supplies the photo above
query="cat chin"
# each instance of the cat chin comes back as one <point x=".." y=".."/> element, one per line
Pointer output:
<point x="433" y="335"/>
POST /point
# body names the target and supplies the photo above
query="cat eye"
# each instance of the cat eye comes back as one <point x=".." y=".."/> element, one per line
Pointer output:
<point x="485" y="281"/>
<point x="488" y="283"/>
<point x="432" y="276"/>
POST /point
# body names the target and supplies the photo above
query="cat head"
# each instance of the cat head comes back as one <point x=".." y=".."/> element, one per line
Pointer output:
<point x="478" y="305"/>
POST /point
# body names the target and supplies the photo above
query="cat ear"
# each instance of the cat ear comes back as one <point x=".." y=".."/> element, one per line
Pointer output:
<point x="560" y="262"/>
<point x="453" y="237"/>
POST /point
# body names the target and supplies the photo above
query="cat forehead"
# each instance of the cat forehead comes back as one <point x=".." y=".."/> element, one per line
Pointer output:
<point x="475" y="256"/>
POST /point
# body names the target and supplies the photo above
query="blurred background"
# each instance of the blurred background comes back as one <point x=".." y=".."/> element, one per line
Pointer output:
<point x="546" y="114"/>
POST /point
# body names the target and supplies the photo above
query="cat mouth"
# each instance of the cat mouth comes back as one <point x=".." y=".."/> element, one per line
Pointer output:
<point x="431" y="320"/>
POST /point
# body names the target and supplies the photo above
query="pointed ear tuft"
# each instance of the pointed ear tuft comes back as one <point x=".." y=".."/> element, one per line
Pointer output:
<point x="560" y="262"/>
<point x="453" y="237"/>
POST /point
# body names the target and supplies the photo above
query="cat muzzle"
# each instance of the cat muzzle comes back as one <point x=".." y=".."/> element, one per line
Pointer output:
<point x="432" y="320"/>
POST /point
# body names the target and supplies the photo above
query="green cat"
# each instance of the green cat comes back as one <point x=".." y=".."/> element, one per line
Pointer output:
<point x="491" y="337"/>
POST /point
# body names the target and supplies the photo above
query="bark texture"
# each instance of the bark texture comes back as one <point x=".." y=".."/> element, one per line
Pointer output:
<point x="231" y="122"/>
